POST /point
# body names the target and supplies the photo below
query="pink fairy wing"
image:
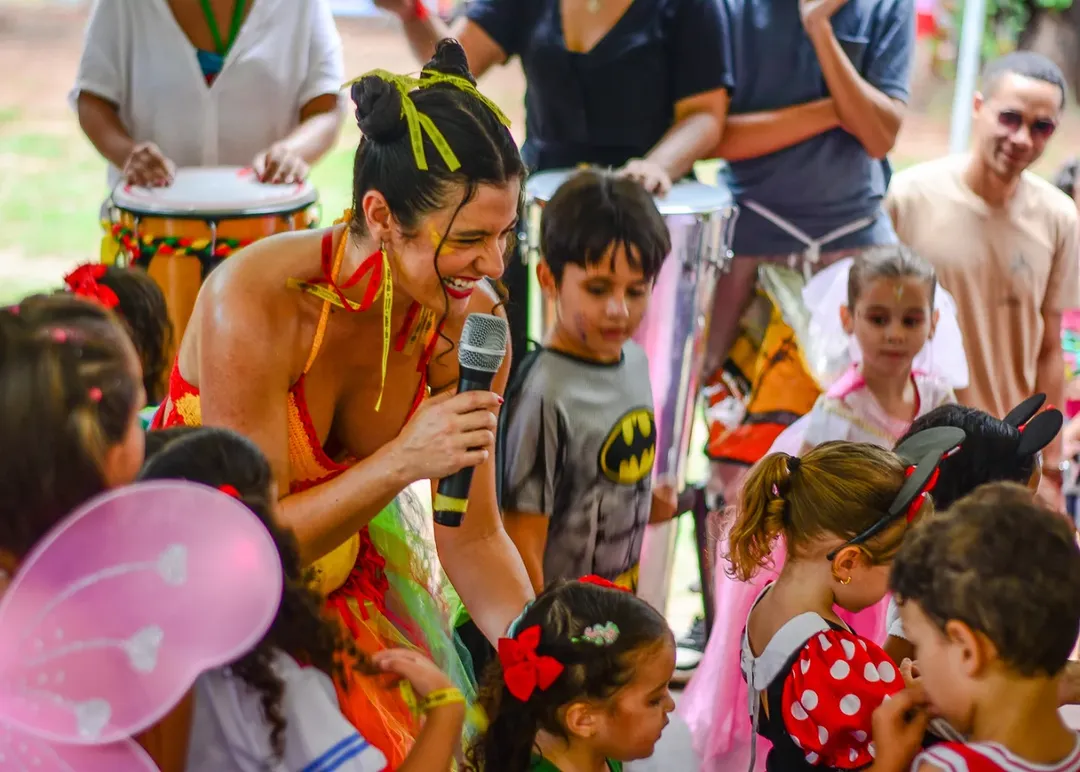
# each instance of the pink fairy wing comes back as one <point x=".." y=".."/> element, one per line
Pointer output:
<point x="117" y="611"/>
<point x="20" y="752"/>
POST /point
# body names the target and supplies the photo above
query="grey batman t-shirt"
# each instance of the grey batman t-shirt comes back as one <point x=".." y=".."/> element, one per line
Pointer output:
<point x="579" y="448"/>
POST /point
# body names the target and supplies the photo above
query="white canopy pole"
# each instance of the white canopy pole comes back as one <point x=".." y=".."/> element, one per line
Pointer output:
<point x="967" y="73"/>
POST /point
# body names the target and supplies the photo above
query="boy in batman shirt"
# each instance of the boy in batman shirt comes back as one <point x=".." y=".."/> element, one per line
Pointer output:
<point x="578" y="437"/>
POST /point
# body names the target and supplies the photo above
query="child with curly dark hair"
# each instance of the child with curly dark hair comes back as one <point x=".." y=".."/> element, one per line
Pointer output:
<point x="136" y="298"/>
<point x="581" y="683"/>
<point x="988" y="595"/>
<point x="276" y="709"/>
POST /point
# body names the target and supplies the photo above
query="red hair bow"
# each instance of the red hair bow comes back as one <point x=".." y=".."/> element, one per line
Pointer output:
<point x="523" y="670"/>
<point x="917" y="502"/>
<point x="83" y="282"/>
<point x="600" y="581"/>
<point x="229" y="490"/>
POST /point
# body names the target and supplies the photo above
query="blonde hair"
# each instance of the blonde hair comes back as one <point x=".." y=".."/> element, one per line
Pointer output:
<point x="838" y="488"/>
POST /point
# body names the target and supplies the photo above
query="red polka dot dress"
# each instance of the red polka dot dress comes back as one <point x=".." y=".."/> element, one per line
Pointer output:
<point x="821" y="683"/>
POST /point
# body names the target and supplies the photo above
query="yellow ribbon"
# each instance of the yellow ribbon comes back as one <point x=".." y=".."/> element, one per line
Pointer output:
<point x="386" y="289"/>
<point x="419" y="123"/>
<point x="430" y="78"/>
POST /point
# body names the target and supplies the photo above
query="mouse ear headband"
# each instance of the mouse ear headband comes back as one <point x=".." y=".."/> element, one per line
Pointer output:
<point x="922" y="452"/>
<point x="1037" y="430"/>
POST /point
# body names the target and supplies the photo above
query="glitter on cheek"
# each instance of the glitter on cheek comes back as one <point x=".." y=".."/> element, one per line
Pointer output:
<point x="436" y="239"/>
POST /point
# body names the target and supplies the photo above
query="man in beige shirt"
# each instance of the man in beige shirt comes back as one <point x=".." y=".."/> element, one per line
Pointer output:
<point x="1003" y="240"/>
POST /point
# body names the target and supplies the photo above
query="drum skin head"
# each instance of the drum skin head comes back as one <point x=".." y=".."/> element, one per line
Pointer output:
<point x="683" y="198"/>
<point x="226" y="191"/>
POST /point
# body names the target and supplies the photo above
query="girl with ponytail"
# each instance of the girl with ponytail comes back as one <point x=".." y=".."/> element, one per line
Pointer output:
<point x="841" y="512"/>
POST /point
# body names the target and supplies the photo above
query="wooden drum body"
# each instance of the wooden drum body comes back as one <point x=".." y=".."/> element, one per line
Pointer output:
<point x="180" y="233"/>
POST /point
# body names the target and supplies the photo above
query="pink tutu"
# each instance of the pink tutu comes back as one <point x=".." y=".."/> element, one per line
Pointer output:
<point x="715" y="703"/>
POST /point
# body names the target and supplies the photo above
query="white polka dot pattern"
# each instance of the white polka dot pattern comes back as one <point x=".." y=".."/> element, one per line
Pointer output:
<point x="830" y="696"/>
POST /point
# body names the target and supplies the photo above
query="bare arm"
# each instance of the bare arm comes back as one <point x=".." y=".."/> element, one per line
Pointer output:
<point x="699" y="122"/>
<point x="241" y="346"/>
<point x="898" y="649"/>
<point x="753" y="135"/>
<point x="872" y="116"/>
<point x="425" y="30"/>
<point x="479" y="557"/>
<point x="1050" y="380"/>
<point x="529" y="531"/>
<point x="100" y="121"/>
<point x="434" y="748"/>
<point x="320" y="122"/>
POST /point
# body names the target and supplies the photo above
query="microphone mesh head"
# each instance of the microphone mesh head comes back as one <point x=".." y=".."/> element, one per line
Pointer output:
<point x="483" y="342"/>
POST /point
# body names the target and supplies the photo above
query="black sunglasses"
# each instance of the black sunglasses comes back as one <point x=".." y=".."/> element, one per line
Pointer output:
<point x="1040" y="128"/>
<point x="923" y="452"/>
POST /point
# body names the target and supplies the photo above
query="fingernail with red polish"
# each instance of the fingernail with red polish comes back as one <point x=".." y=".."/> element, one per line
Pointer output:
<point x="501" y="400"/>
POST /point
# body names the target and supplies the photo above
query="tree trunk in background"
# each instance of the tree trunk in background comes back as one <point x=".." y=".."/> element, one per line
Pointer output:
<point x="1056" y="35"/>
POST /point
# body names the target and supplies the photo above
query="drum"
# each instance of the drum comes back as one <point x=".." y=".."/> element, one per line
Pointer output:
<point x="180" y="233"/>
<point x="700" y="220"/>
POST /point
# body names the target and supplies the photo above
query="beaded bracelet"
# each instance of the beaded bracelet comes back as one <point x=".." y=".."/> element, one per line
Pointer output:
<point x="442" y="697"/>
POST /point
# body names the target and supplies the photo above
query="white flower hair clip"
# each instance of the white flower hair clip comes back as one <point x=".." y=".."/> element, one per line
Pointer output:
<point x="599" y="635"/>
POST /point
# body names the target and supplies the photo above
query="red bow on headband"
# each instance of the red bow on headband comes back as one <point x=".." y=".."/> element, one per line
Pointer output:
<point x="523" y="670"/>
<point x="917" y="502"/>
<point x="229" y="490"/>
<point x="1024" y="425"/>
<point x="600" y="581"/>
<point x="83" y="283"/>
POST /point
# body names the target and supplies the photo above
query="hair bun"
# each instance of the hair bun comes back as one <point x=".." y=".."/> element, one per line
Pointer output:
<point x="450" y="59"/>
<point x="378" y="109"/>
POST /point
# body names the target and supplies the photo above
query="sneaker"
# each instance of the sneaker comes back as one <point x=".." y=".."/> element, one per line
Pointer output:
<point x="686" y="662"/>
<point x="696" y="638"/>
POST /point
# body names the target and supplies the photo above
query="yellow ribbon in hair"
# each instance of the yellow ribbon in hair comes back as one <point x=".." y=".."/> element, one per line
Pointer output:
<point x="417" y="121"/>
<point x="430" y="78"/>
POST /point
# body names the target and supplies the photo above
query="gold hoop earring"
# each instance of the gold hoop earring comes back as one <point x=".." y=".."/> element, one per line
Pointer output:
<point x="846" y="581"/>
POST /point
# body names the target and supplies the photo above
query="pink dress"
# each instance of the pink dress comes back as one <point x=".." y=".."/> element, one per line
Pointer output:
<point x="716" y="699"/>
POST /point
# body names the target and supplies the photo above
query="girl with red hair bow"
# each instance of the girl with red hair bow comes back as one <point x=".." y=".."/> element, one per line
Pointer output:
<point x="582" y="682"/>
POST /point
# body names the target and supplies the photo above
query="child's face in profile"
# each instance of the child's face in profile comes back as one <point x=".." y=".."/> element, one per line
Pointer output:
<point x="636" y="716"/>
<point x="599" y="307"/>
<point x="944" y="664"/>
<point x="892" y="320"/>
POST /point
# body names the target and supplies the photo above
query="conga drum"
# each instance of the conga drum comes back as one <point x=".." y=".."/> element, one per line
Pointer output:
<point x="700" y="220"/>
<point x="180" y="233"/>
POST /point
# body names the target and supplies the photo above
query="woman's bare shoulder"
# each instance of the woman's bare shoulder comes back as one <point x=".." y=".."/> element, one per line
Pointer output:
<point x="246" y="306"/>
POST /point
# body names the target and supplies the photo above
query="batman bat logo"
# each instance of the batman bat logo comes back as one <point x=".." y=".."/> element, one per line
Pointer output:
<point x="627" y="454"/>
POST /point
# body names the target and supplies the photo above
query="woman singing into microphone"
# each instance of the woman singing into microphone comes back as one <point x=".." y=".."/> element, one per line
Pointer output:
<point x="320" y="346"/>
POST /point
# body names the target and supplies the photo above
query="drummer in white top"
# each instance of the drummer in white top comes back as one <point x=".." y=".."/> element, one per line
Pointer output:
<point x="173" y="83"/>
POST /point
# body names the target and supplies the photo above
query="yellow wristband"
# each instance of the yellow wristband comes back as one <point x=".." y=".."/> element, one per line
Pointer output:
<point x="442" y="697"/>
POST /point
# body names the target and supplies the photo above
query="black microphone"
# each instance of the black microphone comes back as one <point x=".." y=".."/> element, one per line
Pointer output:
<point x="480" y="354"/>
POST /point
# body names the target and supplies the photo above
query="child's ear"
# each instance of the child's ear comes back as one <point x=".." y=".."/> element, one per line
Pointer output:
<point x="971" y="651"/>
<point x="581" y="720"/>
<point x="846" y="561"/>
<point x="934" y="316"/>
<point x="546" y="279"/>
<point x="846" y="321"/>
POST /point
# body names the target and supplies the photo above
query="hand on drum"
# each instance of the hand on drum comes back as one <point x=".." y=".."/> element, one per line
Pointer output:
<point x="651" y="175"/>
<point x="449" y="432"/>
<point x="278" y="165"/>
<point x="147" y="167"/>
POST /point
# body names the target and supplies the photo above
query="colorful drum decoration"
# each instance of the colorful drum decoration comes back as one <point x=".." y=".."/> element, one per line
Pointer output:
<point x="180" y="233"/>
